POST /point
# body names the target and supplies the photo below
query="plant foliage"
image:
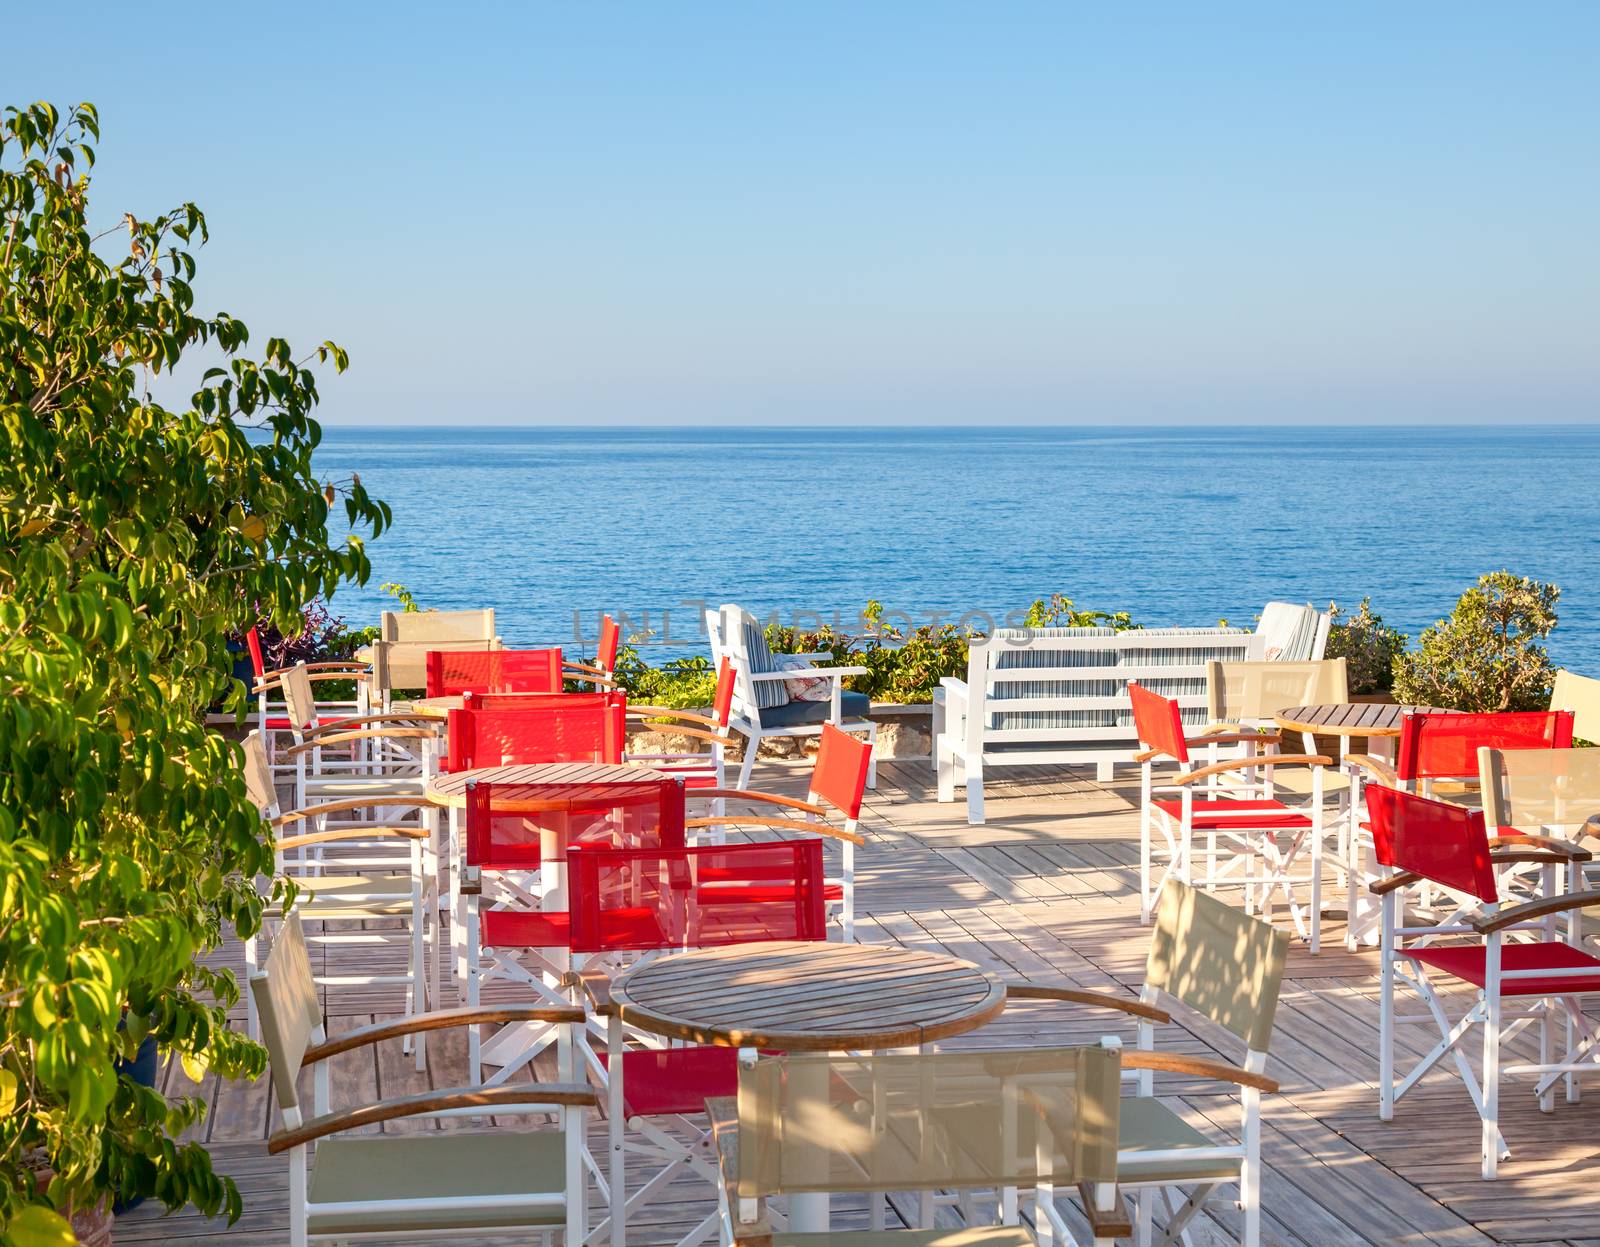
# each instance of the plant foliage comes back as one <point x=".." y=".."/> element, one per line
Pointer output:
<point x="1489" y="654"/>
<point x="133" y="540"/>
<point x="1368" y="646"/>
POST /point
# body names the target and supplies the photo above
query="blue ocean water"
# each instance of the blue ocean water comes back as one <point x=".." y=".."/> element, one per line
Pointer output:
<point x="1177" y="526"/>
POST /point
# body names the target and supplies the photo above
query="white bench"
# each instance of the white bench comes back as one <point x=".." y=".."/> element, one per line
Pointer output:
<point x="1039" y="695"/>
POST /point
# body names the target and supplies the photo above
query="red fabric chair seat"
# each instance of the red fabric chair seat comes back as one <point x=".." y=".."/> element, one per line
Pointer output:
<point x="531" y="928"/>
<point x="1466" y="962"/>
<point x="762" y="892"/>
<point x="278" y="723"/>
<point x="1223" y="813"/>
<point x="676" y="1080"/>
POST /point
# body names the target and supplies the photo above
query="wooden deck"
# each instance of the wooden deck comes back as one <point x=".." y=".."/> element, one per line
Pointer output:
<point x="1047" y="892"/>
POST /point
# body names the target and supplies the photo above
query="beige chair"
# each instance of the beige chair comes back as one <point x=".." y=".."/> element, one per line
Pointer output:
<point x="445" y="1184"/>
<point x="1581" y="695"/>
<point x="399" y="656"/>
<point x="337" y="890"/>
<point x="807" y="1126"/>
<point x="1542" y="800"/>
<point x="1228" y="967"/>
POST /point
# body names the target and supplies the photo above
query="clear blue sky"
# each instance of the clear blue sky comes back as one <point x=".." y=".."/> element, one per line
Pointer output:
<point x="876" y="212"/>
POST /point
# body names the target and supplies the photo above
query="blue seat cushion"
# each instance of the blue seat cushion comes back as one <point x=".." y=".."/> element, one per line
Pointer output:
<point x="806" y="713"/>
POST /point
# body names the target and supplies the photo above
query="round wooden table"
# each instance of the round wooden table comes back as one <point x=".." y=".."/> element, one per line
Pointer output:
<point x="1347" y="718"/>
<point x="429" y="707"/>
<point x="808" y="997"/>
<point x="450" y="790"/>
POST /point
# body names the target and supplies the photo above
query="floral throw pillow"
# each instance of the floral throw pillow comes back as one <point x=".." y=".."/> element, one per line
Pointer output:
<point x="806" y="688"/>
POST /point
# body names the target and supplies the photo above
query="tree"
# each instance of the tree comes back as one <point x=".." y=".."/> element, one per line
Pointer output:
<point x="1368" y="646"/>
<point x="133" y="539"/>
<point x="1488" y="655"/>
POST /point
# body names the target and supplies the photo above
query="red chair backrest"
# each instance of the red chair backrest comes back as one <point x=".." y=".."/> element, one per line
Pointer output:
<point x="1445" y="843"/>
<point x="506" y="823"/>
<point x="252" y="640"/>
<point x="840" y="774"/>
<point x="695" y="897"/>
<point x="453" y="672"/>
<point x="522" y="736"/>
<point x="540" y="701"/>
<point x="1158" y="722"/>
<point x="722" y="704"/>
<point x="605" y="654"/>
<point x="1435" y="746"/>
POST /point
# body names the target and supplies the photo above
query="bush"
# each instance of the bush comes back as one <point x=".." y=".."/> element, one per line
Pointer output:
<point x="1487" y="656"/>
<point x="1369" y="646"/>
<point x="133" y="540"/>
<point x="903" y="666"/>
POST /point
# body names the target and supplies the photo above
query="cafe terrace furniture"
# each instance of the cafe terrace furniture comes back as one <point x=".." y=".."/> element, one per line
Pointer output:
<point x="837" y="788"/>
<point x="492" y="730"/>
<point x="641" y="903"/>
<point x="1436" y="754"/>
<point x="518" y="894"/>
<point x="1526" y="971"/>
<point x="337" y="890"/>
<point x="272" y="717"/>
<point x="1054" y="695"/>
<point x="707" y="768"/>
<point x="1228" y="967"/>
<point x="1551" y="793"/>
<point x="1243" y="835"/>
<point x="1581" y="695"/>
<point x="428" y="1184"/>
<point x="810" y="1125"/>
<point x="765" y="705"/>
<point x="448" y="791"/>
<point x="602" y="671"/>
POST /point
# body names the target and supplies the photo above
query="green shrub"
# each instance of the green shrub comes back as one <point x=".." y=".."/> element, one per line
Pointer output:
<point x="1487" y="656"/>
<point x="1368" y="646"/>
<point x="133" y="540"/>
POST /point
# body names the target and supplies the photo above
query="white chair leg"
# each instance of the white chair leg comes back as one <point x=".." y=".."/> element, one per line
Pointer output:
<point x="751" y="745"/>
<point x="975" y="791"/>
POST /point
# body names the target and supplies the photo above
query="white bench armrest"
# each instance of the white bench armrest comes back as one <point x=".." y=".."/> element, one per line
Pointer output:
<point x="831" y="672"/>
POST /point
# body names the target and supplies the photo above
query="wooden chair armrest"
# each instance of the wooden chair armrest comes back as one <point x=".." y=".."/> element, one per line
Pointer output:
<point x="1254" y="763"/>
<point x="784" y="824"/>
<point x="352" y="833"/>
<point x="345" y="725"/>
<point x="424" y="1102"/>
<point x="350" y="665"/>
<point x="1485" y="923"/>
<point x="1545" y="844"/>
<point x="723" y="1112"/>
<point x="1234" y="736"/>
<point x="1400" y="879"/>
<point x="1104" y="1000"/>
<point x="589" y="677"/>
<point x="1110" y="1223"/>
<point x="667" y="712"/>
<point x="442" y="1019"/>
<point x="716" y="738"/>
<point x="569" y="664"/>
<point x="1379" y="769"/>
<point x="320" y="676"/>
<point x="1177" y="1063"/>
<point x="596" y="986"/>
<point x="1149" y="755"/>
<point x="348" y="804"/>
<point x="745" y="794"/>
<point x="376" y="733"/>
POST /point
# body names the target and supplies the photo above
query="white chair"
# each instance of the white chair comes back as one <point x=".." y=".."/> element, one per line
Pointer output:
<point x="762" y="706"/>
<point x="448" y="1183"/>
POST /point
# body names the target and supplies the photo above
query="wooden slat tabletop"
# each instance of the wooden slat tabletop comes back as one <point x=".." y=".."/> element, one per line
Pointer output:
<point x="1345" y="718"/>
<point x="429" y="707"/>
<point x="809" y="996"/>
<point x="451" y="789"/>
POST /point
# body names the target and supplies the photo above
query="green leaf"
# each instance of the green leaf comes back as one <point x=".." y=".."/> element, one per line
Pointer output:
<point x="8" y="1092"/>
<point x="38" y="1226"/>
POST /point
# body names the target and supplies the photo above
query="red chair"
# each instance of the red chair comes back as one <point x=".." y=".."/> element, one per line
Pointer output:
<point x="453" y="672"/>
<point x="1419" y="839"/>
<point x="1437" y="754"/>
<point x="515" y="880"/>
<point x="838" y="787"/>
<point x="671" y="899"/>
<point x="602" y="671"/>
<point x="1260" y="836"/>
<point x="591" y="730"/>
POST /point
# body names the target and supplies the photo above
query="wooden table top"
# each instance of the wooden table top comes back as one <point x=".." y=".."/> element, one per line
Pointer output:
<point x="429" y="707"/>
<point x="809" y="997"/>
<point x="1345" y="718"/>
<point x="451" y="789"/>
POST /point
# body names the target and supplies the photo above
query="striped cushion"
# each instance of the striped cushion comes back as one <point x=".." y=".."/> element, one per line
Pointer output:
<point x="769" y="693"/>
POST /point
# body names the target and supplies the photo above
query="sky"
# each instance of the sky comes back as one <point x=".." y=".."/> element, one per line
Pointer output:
<point x="871" y="213"/>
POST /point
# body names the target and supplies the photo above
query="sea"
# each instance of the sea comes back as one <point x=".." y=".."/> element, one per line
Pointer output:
<point x="1177" y="526"/>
